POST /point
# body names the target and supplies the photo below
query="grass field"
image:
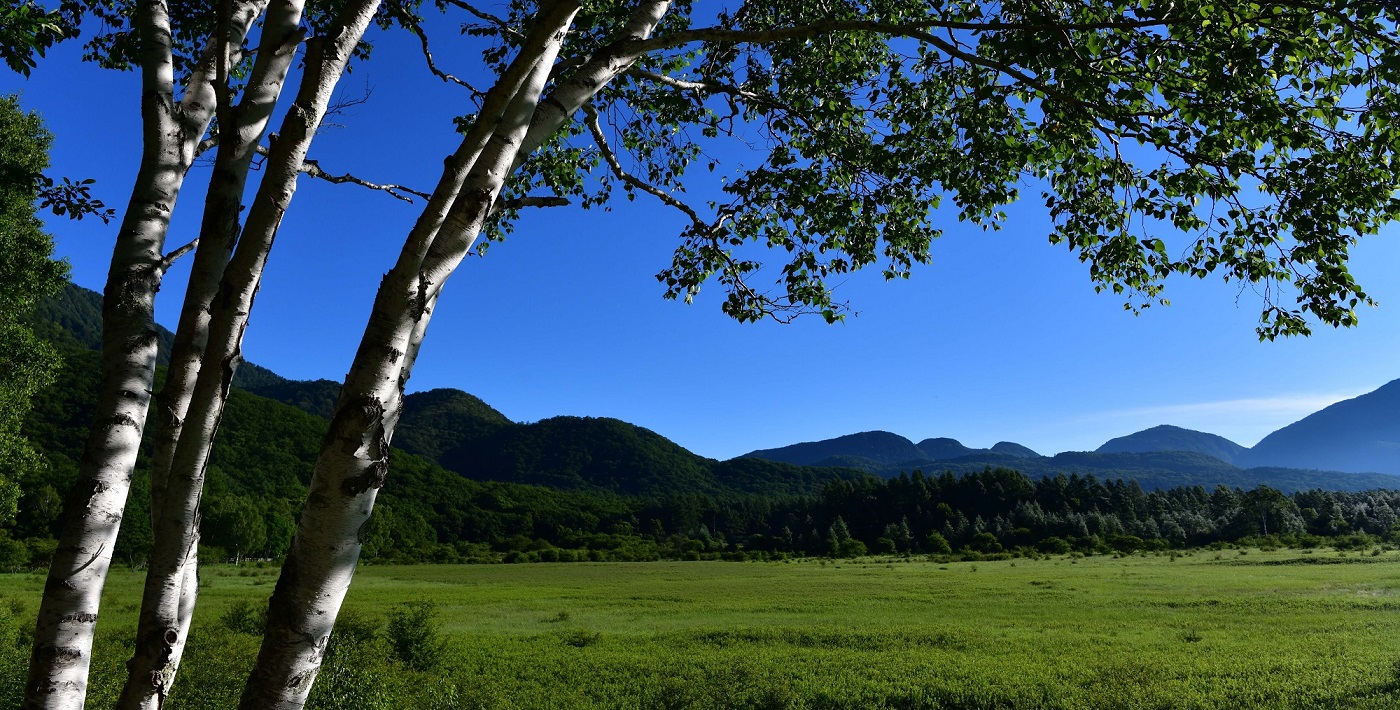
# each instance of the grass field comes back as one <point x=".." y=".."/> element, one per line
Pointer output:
<point x="1208" y="630"/>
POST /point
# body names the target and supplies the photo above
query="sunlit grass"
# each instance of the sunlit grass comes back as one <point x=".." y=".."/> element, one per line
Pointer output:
<point x="1208" y="630"/>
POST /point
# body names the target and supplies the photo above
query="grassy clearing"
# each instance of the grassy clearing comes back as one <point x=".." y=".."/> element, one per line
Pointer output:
<point x="1209" y="630"/>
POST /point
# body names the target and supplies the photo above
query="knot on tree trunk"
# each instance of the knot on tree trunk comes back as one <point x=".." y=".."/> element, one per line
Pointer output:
<point x="371" y="478"/>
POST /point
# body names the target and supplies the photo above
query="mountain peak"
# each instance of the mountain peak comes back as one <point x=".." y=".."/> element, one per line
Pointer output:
<point x="1166" y="437"/>
<point x="879" y="447"/>
<point x="1360" y="434"/>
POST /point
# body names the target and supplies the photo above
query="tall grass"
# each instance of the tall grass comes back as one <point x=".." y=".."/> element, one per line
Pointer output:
<point x="1263" y="630"/>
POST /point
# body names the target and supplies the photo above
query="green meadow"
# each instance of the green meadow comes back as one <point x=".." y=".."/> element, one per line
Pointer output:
<point x="1227" y="629"/>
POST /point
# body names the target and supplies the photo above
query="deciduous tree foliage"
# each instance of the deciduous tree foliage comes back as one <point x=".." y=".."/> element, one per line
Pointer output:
<point x="27" y="30"/>
<point x="1252" y="141"/>
<point x="27" y="274"/>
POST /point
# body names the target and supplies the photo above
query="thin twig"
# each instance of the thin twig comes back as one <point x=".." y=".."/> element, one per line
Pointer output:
<point x="596" y="129"/>
<point x="412" y="23"/>
<point x="170" y="258"/>
<point x="313" y="169"/>
<point x="521" y="202"/>
<point x="481" y="14"/>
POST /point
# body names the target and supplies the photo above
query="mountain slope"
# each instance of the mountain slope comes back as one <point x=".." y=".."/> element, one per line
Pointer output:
<point x="439" y="420"/>
<point x="1359" y="434"/>
<point x="1160" y="470"/>
<point x="74" y="317"/>
<point x="588" y="453"/>
<point x="879" y="447"/>
<point x="1173" y="438"/>
<point x="944" y="448"/>
<point x="1011" y="448"/>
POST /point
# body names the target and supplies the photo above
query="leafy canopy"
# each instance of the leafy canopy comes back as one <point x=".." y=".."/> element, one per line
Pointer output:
<point x="27" y="274"/>
<point x="1253" y="141"/>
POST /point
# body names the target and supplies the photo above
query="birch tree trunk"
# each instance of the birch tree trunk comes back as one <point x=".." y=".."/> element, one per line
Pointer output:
<point x="160" y="636"/>
<point x="61" y="653"/>
<point x="354" y="457"/>
<point x="353" y="461"/>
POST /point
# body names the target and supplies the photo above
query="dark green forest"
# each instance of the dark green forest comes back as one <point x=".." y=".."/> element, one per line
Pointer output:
<point x="571" y="488"/>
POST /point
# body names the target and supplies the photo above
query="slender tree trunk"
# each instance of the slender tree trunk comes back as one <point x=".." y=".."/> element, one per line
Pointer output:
<point x="353" y="461"/>
<point x="61" y="653"/>
<point x="354" y="458"/>
<point x="169" y="597"/>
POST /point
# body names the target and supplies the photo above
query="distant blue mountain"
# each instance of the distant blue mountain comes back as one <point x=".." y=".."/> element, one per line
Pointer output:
<point x="1351" y="445"/>
<point x="1359" y="434"/>
<point x="878" y="450"/>
<point x="1174" y="438"/>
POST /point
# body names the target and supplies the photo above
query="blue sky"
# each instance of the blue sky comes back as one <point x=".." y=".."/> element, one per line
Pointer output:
<point x="1001" y="338"/>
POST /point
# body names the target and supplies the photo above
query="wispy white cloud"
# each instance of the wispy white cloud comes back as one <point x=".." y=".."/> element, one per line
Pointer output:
<point x="1297" y="405"/>
<point x="1244" y="420"/>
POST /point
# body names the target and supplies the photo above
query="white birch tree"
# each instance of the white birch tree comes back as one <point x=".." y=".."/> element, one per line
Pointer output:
<point x="173" y="125"/>
<point x="203" y="49"/>
<point x="219" y="314"/>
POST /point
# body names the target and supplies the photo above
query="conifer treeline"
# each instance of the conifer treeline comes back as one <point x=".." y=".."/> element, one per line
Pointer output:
<point x="996" y="511"/>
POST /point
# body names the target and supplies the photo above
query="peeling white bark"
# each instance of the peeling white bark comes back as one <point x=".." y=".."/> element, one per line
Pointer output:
<point x="171" y="589"/>
<point x="354" y="458"/>
<point x="584" y="83"/>
<point x="61" y="653"/>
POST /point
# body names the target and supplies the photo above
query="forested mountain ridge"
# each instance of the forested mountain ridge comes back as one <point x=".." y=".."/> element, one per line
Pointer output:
<point x="877" y="450"/>
<point x="1173" y="438"/>
<point x="593" y="488"/>
<point x="74" y="317"/>
<point x="464" y="434"/>
<point x="446" y="427"/>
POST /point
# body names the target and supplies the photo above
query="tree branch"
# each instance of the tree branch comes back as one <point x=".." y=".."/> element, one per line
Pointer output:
<point x="313" y="169"/>
<point x="711" y="233"/>
<point x="707" y="87"/>
<point x="481" y="14"/>
<point x="723" y="35"/>
<point x="700" y="225"/>
<point x="917" y="31"/>
<point x="520" y="202"/>
<point x="170" y="258"/>
<point x="411" y="23"/>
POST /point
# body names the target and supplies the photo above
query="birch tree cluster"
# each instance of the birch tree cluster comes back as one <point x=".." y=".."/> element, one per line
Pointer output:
<point x="1252" y="141"/>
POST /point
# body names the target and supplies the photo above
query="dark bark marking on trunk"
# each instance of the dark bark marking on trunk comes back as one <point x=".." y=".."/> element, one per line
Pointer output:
<point x="227" y="368"/>
<point x="352" y="417"/>
<point x="51" y="687"/>
<point x="119" y="420"/>
<point x="147" y="338"/>
<point x="172" y="421"/>
<point x="79" y="617"/>
<point x="419" y="303"/>
<point x="64" y="584"/>
<point x="372" y="478"/>
<point x="373" y="425"/>
<point x="60" y="656"/>
<point x="85" y="491"/>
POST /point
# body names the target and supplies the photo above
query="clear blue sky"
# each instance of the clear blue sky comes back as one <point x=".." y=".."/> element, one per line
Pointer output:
<point x="1001" y="338"/>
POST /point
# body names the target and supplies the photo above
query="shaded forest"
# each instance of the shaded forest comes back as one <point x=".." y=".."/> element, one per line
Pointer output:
<point x="574" y="488"/>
